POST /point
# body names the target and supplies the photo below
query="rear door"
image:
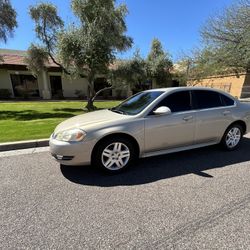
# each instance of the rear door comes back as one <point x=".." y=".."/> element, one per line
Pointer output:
<point x="213" y="115"/>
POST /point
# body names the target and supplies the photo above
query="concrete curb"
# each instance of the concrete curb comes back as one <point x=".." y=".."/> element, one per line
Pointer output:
<point x="245" y="100"/>
<point x="23" y="144"/>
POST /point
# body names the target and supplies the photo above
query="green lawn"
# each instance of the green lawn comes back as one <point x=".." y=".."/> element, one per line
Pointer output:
<point x="36" y="120"/>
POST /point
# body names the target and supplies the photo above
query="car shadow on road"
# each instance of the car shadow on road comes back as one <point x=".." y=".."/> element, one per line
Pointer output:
<point x="152" y="169"/>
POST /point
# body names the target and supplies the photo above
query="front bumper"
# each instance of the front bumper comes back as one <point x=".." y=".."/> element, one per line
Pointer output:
<point x="71" y="153"/>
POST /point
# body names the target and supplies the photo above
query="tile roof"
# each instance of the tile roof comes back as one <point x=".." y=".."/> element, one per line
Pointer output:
<point x="12" y="60"/>
<point x="17" y="57"/>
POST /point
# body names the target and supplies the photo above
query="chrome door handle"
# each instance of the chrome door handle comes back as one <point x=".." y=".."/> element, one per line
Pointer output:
<point x="226" y="112"/>
<point x="187" y="118"/>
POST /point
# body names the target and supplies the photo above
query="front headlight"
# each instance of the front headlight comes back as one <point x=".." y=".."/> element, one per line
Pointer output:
<point x="71" y="135"/>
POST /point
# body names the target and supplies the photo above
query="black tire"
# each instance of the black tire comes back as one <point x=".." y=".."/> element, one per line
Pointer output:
<point x="224" y="141"/>
<point x="99" y="159"/>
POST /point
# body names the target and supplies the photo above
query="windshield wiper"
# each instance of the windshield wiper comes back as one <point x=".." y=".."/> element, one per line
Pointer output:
<point x="118" y="111"/>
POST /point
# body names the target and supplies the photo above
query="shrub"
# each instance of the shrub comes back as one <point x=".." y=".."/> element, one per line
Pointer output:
<point x="79" y="94"/>
<point x="119" y="94"/>
<point x="24" y="93"/>
<point x="59" y="95"/>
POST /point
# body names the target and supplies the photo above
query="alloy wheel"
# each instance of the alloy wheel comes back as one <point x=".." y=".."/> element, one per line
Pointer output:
<point x="115" y="156"/>
<point x="233" y="137"/>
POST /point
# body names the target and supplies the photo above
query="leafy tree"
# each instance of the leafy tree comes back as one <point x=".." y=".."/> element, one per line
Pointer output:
<point x="48" y="25"/>
<point x="86" y="49"/>
<point x="226" y="47"/>
<point x="138" y="70"/>
<point x="228" y="34"/>
<point x="204" y="63"/>
<point x="199" y="64"/>
<point x="130" y="72"/>
<point x="181" y="69"/>
<point x="158" y="64"/>
<point x="37" y="57"/>
<point x="7" y="20"/>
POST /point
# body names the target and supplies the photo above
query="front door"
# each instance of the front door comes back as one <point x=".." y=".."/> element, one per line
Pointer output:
<point x="56" y="86"/>
<point x="173" y="130"/>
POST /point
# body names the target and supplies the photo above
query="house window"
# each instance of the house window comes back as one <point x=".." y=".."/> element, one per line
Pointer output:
<point x="25" y="85"/>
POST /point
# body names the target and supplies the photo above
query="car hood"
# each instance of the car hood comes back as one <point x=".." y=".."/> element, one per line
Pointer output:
<point x="90" y="120"/>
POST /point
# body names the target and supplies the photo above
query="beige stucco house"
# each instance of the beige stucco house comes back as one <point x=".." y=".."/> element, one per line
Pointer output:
<point x="237" y="85"/>
<point x="50" y="84"/>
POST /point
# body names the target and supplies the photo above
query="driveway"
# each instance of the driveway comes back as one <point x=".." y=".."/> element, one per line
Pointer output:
<point x="199" y="199"/>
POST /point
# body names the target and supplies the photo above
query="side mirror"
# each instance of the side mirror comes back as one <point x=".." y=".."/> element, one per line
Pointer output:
<point x="163" y="110"/>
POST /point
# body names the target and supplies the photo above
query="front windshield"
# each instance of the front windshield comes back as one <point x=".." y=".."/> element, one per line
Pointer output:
<point x="135" y="104"/>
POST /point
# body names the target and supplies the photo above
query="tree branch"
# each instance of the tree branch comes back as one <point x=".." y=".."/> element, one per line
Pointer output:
<point x="100" y="91"/>
<point x="47" y="42"/>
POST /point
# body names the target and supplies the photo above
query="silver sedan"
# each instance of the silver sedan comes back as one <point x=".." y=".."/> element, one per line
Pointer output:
<point x="150" y="123"/>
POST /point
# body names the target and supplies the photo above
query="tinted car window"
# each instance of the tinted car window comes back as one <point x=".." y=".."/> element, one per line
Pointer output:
<point x="177" y="102"/>
<point x="207" y="99"/>
<point x="227" y="101"/>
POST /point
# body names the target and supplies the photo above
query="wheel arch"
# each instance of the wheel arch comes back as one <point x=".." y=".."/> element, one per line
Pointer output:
<point x="241" y="123"/>
<point x="117" y="135"/>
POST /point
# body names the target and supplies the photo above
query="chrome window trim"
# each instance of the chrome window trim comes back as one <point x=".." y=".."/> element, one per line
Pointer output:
<point x="215" y="108"/>
<point x="175" y="113"/>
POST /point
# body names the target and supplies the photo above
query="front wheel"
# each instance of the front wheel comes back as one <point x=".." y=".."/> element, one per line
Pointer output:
<point x="114" y="155"/>
<point x="232" y="137"/>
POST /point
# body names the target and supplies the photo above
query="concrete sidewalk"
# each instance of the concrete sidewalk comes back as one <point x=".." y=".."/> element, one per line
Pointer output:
<point x="23" y="144"/>
<point x="245" y="100"/>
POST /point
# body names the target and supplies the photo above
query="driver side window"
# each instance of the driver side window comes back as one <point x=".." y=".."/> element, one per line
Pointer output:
<point x="177" y="102"/>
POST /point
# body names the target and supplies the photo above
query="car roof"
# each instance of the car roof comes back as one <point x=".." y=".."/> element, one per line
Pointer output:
<point x="184" y="88"/>
<point x="170" y="89"/>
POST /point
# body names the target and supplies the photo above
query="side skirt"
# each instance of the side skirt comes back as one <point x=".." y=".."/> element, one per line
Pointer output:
<point x="174" y="150"/>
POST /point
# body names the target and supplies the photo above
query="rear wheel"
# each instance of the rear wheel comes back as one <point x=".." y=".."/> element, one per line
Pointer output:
<point x="114" y="155"/>
<point x="232" y="137"/>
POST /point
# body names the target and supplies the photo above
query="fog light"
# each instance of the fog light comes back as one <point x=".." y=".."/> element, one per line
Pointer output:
<point x="59" y="157"/>
<point x="62" y="157"/>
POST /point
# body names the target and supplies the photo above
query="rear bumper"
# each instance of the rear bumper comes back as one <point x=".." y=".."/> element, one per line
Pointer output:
<point x="71" y="153"/>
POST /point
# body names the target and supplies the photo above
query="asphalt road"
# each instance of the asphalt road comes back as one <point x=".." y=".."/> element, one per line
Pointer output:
<point x="198" y="199"/>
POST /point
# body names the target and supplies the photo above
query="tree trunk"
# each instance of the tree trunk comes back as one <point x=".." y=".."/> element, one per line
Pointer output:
<point x="91" y="93"/>
<point x="154" y="83"/>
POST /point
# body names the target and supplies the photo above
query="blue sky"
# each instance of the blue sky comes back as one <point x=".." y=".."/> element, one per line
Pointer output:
<point x="175" y="22"/>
